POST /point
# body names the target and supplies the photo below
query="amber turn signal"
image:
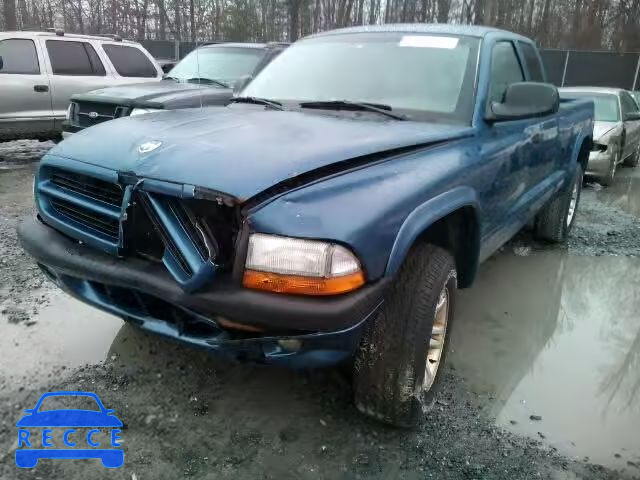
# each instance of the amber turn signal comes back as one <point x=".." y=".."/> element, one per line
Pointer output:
<point x="299" y="285"/>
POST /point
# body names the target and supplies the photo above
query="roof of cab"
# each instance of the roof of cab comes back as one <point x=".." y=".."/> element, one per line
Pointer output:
<point x="440" y="28"/>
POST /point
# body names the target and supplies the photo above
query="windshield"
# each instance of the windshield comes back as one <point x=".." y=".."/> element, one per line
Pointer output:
<point x="636" y="97"/>
<point x="606" y="105"/>
<point x="423" y="76"/>
<point x="222" y="64"/>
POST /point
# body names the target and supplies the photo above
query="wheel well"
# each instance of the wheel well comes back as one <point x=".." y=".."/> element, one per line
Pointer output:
<point x="583" y="154"/>
<point x="459" y="234"/>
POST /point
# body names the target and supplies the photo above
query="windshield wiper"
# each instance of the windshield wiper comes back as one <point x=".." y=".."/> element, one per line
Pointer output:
<point x="259" y="101"/>
<point x="346" y="104"/>
<point x="209" y="81"/>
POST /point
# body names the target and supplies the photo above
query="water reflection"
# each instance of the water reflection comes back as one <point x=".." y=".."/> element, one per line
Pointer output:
<point x="625" y="192"/>
<point x="557" y="337"/>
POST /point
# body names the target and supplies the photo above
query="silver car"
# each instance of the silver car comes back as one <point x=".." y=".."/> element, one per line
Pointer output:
<point x="616" y="131"/>
<point x="39" y="71"/>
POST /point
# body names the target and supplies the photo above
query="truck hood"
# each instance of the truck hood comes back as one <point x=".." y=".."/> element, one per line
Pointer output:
<point x="162" y="94"/>
<point x="242" y="150"/>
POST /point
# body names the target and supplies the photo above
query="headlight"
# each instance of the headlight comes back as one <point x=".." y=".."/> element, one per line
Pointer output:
<point x="143" y="111"/>
<point x="306" y="267"/>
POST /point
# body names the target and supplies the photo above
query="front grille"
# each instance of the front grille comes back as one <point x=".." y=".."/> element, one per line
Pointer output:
<point x="87" y="114"/>
<point x="106" y="226"/>
<point x="194" y="239"/>
<point x="165" y="236"/>
<point x="109" y="193"/>
<point x="194" y="230"/>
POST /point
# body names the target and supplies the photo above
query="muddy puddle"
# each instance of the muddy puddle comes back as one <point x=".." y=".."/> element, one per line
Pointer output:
<point x="64" y="335"/>
<point x="624" y="193"/>
<point x="553" y="344"/>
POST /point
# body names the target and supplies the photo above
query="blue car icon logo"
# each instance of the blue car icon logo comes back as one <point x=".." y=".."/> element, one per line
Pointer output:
<point x="74" y="421"/>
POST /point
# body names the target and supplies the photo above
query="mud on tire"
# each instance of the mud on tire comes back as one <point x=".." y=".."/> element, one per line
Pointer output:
<point x="389" y="367"/>
<point x="551" y="223"/>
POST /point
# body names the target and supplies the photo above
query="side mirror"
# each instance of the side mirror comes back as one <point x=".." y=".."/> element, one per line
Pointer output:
<point x="240" y="83"/>
<point x="525" y="100"/>
<point x="1" y="63"/>
<point x="632" y="117"/>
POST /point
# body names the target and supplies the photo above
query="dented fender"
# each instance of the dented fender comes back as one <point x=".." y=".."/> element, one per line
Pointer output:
<point x="426" y="215"/>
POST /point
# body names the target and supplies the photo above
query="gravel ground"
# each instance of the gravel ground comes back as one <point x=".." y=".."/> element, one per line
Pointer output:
<point x="189" y="415"/>
<point x="603" y="229"/>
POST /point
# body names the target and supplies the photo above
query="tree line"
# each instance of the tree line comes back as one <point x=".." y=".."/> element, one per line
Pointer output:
<point x="576" y="24"/>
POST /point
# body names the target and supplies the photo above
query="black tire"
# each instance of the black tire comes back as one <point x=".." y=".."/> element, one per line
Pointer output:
<point x="634" y="159"/>
<point x="390" y="365"/>
<point x="551" y="222"/>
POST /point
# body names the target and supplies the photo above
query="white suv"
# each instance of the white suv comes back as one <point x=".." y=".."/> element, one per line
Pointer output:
<point x="39" y="71"/>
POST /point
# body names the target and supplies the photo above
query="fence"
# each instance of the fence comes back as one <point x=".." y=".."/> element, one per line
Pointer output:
<point x="564" y="67"/>
<point x="596" y="69"/>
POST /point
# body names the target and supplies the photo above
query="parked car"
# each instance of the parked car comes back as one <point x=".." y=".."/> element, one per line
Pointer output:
<point x="616" y="132"/>
<point x="39" y="71"/>
<point x="205" y="77"/>
<point x="331" y="211"/>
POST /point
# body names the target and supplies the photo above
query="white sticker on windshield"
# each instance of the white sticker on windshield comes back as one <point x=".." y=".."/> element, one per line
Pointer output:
<point x="428" y="41"/>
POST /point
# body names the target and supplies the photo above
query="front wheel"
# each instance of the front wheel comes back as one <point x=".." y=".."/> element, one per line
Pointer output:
<point x="555" y="220"/>
<point x="398" y="365"/>
<point x="634" y="159"/>
<point x="607" y="179"/>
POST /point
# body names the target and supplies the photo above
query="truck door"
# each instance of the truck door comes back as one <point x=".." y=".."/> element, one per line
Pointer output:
<point x="76" y="68"/>
<point x="545" y="149"/>
<point x="504" y="152"/>
<point x="25" y="105"/>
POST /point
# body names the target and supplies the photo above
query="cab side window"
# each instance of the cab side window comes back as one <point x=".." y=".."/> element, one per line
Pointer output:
<point x="533" y="62"/>
<point x="19" y="56"/>
<point x="505" y="70"/>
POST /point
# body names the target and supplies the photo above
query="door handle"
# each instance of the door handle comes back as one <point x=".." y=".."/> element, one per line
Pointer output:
<point x="41" y="88"/>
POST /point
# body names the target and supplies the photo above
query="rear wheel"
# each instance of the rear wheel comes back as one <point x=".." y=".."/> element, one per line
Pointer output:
<point x="399" y="363"/>
<point x="555" y="220"/>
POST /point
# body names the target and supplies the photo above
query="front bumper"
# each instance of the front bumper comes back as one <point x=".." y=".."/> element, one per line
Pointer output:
<point x="328" y="329"/>
<point x="600" y="163"/>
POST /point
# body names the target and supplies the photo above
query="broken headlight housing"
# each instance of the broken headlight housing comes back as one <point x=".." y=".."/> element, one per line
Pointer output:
<point x="299" y="266"/>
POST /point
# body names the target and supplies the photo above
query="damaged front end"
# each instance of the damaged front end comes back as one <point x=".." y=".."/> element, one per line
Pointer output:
<point x="124" y="215"/>
<point x="169" y="257"/>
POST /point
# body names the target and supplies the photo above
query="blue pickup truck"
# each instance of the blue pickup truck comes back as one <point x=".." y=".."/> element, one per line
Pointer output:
<point x="330" y="213"/>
